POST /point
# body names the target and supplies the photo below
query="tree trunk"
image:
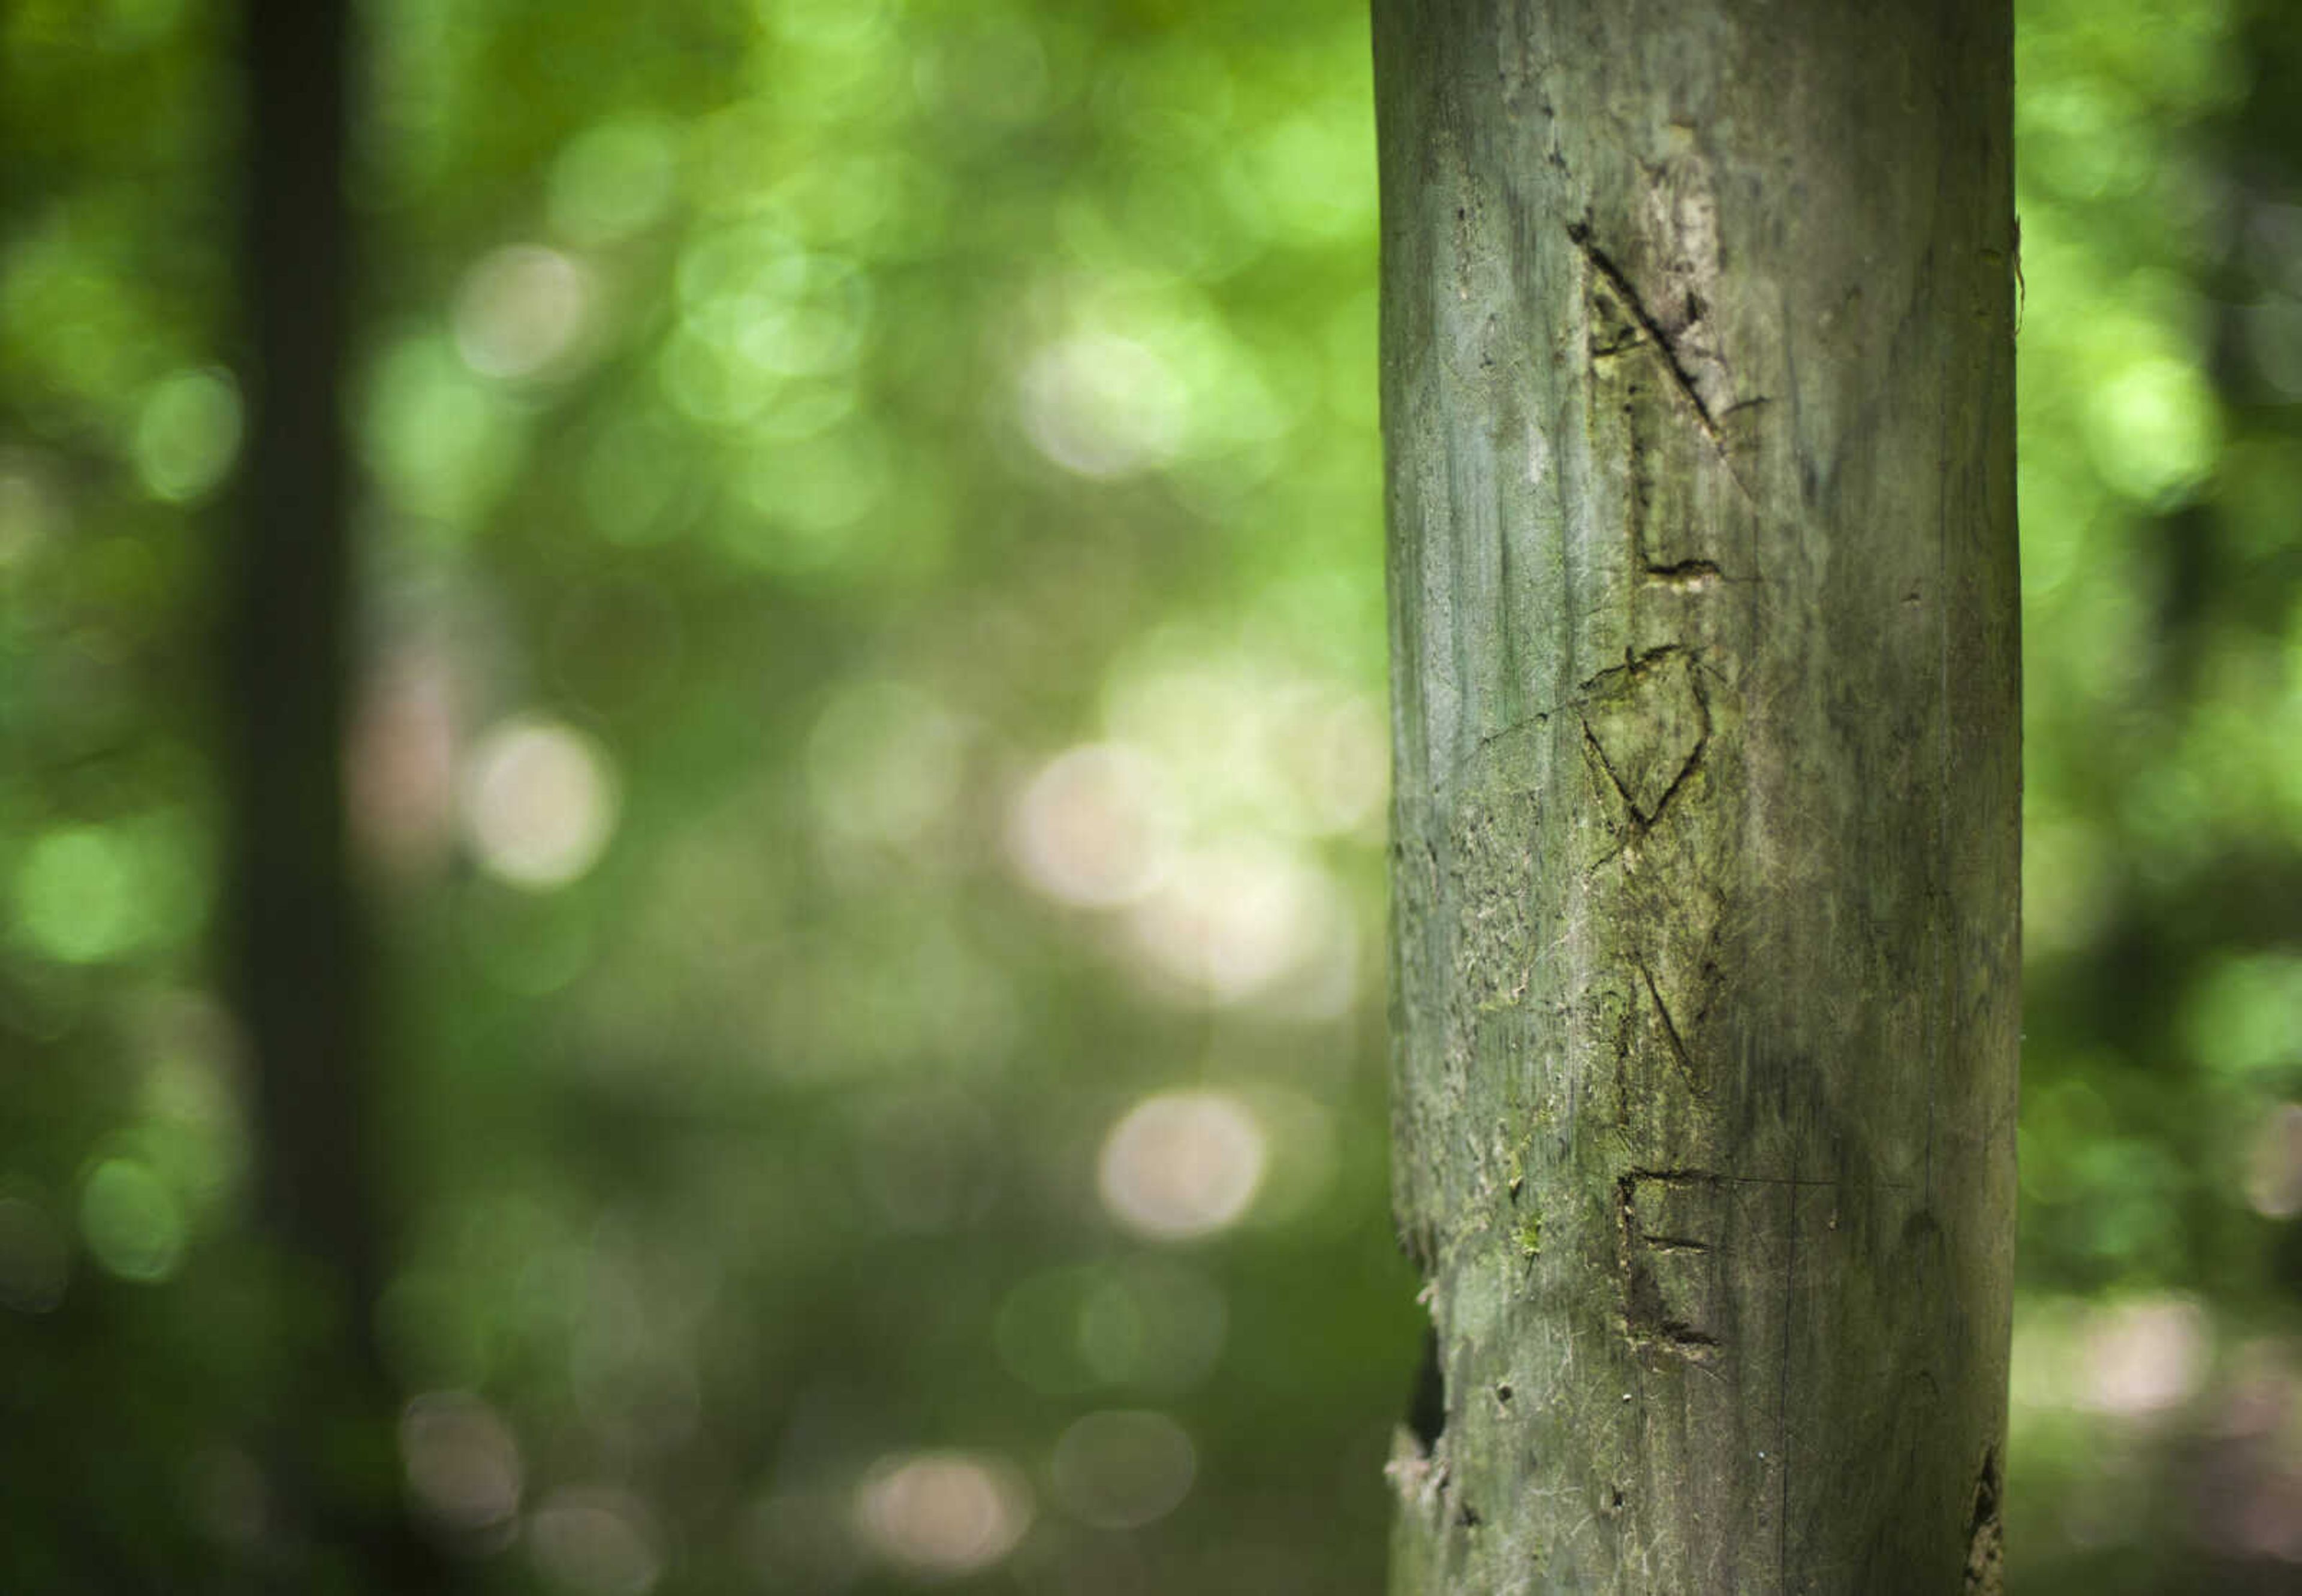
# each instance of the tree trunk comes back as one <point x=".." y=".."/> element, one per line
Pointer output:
<point x="1697" y="385"/>
<point x="298" y="944"/>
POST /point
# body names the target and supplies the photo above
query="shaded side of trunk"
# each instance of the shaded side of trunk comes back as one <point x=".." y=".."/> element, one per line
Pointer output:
<point x="297" y="949"/>
<point x="1698" y="388"/>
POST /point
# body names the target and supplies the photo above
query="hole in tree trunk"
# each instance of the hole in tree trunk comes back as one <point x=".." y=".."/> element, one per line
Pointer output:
<point x="1426" y="1414"/>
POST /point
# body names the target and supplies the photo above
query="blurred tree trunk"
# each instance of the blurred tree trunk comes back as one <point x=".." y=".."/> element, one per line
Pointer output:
<point x="1698" y="369"/>
<point x="297" y="952"/>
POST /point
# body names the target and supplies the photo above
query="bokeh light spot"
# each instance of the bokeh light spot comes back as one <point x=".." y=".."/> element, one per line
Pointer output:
<point x="76" y="894"/>
<point x="2156" y="429"/>
<point x="539" y="801"/>
<point x="400" y="760"/>
<point x="187" y="434"/>
<point x="1122" y="1470"/>
<point x="521" y="310"/>
<point x="2273" y="1177"/>
<point x="1103" y="406"/>
<point x="943" y="1512"/>
<point x="2244" y="1014"/>
<point x="463" y="1461"/>
<point x="883" y="763"/>
<point x="443" y="444"/>
<point x="613" y="180"/>
<point x="2144" y="1357"/>
<point x="1154" y="1323"/>
<point x="1182" y="1166"/>
<point x="596" y="1541"/>
<point x="1094" y="827"/>
<point x="131" y="1221"/>
<point x="228" y="1497"/>
<point x="1232" y="921"/>
<point x="810" y="495"/>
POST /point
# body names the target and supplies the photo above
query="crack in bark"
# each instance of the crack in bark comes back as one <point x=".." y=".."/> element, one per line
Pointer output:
<point x="1426" y="1407"/>
<point x="1985" y="1539"/>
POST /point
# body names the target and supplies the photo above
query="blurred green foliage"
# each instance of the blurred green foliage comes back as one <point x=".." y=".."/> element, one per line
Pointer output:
<point x="871" y="768"/>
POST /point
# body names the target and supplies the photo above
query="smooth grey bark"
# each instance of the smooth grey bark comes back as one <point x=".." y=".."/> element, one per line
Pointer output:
<point x="1698" y="387"/>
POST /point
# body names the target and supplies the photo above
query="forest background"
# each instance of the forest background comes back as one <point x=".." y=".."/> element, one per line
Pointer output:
<point x="868" y="771"/>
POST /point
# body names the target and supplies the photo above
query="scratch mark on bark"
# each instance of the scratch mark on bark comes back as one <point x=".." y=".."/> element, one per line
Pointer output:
<point x="1669" y="1025"/>
<point x="1644" y="819"/>
<point x="1664" y="343"/>
<point x="1646" y="327"/>
<point x="1686" y="575"/>
<point x="1599" y="749"/>
<point x="1688" y="1177"/>
<point x="1649" y="1320"/>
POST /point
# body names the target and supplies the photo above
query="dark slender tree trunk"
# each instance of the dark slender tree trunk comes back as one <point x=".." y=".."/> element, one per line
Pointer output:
<point x="297" y="949"/>
<point x="1697" y="383"/>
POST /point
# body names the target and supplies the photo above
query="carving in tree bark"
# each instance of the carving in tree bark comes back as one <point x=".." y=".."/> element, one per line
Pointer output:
<point x="1698" y="387"/>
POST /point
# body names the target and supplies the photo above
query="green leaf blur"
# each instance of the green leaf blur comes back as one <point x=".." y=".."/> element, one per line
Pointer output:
<point x="869" y="767"/>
